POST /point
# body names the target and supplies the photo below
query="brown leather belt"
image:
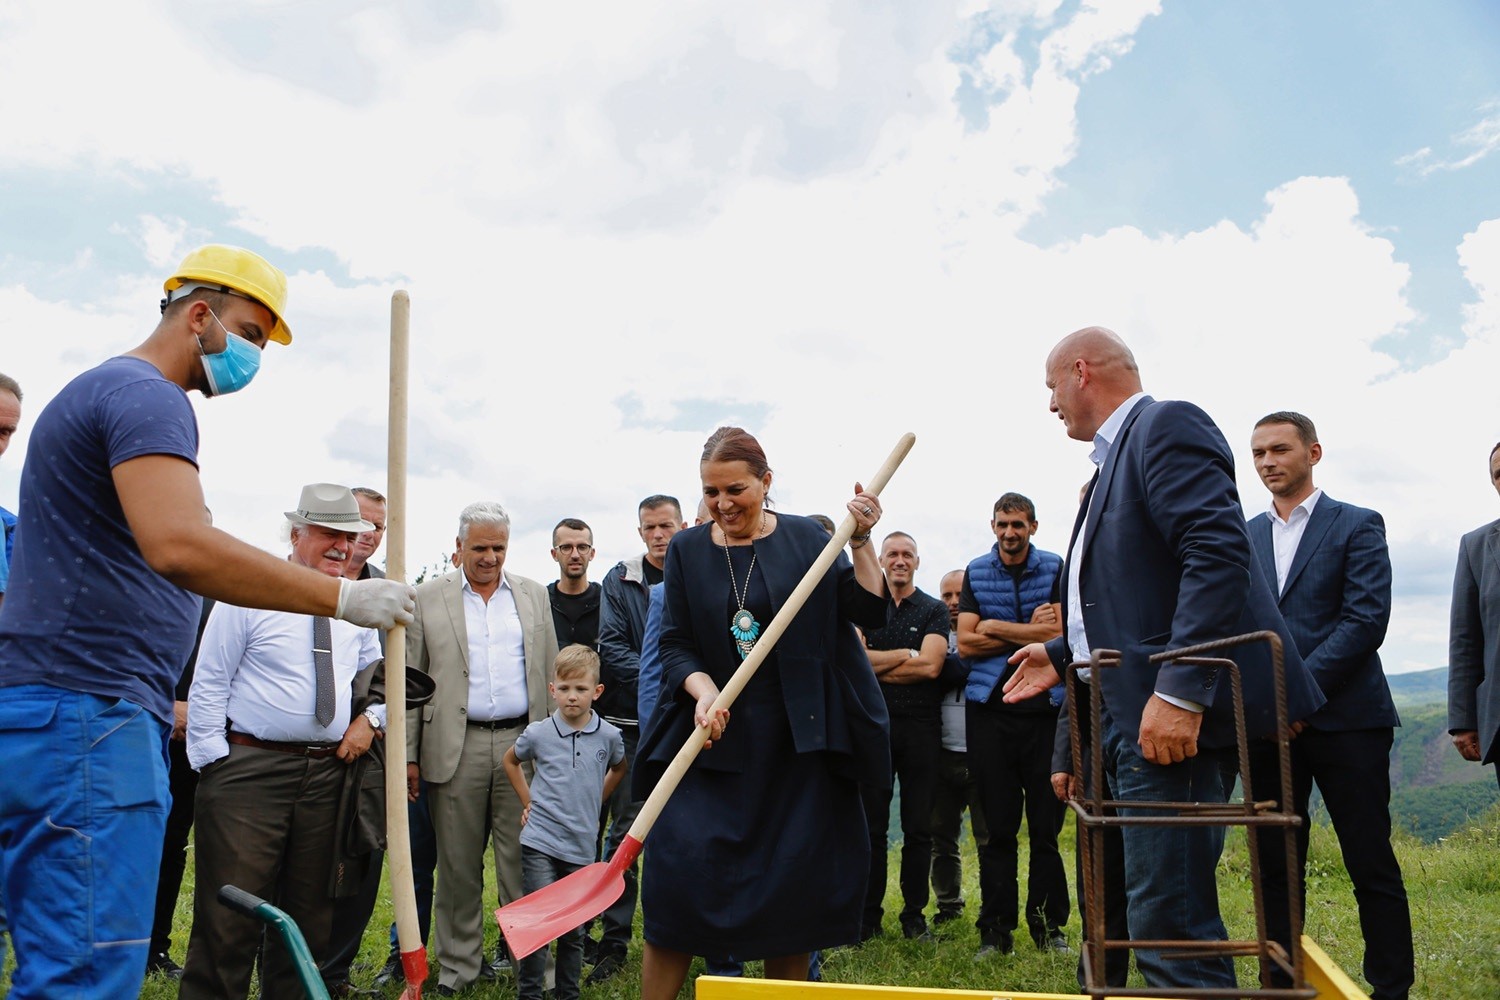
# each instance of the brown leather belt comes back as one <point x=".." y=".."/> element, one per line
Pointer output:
<point x="316" y="751"/>
<point x="515" y="722"/>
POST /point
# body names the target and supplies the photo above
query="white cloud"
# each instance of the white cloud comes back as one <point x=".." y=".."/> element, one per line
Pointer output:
<point x="779" y="208"/>
<point x="1468" y="146"/>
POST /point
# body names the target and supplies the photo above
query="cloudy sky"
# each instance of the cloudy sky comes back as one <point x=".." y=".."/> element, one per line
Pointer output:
<point x="622" y="224"/>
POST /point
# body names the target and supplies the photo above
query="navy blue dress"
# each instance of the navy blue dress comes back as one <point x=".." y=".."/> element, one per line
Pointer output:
<point x="762" y="851"/>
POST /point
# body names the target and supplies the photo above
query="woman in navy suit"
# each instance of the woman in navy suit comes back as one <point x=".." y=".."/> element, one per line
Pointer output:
<point x="761" y="853"/>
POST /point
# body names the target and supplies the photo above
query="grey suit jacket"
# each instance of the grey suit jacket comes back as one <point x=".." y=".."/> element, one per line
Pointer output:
<point x="437" y="642"/>
<point x="1474" y="640"/>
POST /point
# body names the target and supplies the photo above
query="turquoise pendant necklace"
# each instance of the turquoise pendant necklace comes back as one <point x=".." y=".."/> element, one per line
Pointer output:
<point x="743" y="628"/>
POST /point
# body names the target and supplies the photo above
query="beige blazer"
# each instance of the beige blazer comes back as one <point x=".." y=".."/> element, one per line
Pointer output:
<point x="437" y="643"/>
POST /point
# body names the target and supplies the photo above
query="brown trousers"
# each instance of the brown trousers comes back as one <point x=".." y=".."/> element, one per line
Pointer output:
<point x="265" y="823"/>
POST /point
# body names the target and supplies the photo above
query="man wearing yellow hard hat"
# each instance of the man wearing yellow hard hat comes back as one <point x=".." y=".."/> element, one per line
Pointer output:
<point x="112" y="549"/>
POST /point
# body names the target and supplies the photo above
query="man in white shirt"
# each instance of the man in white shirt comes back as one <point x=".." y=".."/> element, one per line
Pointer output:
<point x="270" y="732"/>
<point x="487" y="639"/>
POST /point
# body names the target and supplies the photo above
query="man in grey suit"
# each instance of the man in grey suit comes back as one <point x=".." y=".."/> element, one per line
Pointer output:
<point x="487" y="639"/>
<point x="1333" y="586"/>
<point x="1473" y="673"/>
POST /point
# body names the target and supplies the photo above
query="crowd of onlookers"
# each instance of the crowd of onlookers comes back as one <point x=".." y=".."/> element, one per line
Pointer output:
<point x="540" y="717"/>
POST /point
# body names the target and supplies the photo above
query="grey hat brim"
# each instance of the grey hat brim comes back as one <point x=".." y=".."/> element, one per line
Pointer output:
<point x="353" y="527"/>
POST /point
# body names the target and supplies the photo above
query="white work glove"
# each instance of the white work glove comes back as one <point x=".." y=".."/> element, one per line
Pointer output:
<point x="376" y="603"/>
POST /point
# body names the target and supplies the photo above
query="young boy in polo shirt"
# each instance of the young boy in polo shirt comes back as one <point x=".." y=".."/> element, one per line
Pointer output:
<point x="578" y="759"/>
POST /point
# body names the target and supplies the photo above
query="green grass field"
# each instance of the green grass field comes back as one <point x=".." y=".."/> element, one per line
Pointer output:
<point x="1454" y="886"/>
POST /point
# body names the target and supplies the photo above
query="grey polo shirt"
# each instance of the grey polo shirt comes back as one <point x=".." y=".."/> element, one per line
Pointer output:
<point x="568" y="786"/>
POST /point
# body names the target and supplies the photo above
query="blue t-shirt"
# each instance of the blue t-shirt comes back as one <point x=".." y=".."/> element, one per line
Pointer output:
<point x="568" y="786"/>
<point x="83" y="611"/>
<point x="8" y="529"/>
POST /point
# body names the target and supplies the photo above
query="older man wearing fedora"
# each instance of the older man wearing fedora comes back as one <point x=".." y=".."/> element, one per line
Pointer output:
<point x="271" y="730"/>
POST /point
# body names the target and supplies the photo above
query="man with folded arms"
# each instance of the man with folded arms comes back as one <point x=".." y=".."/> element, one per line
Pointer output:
<point x="269" y="731"/>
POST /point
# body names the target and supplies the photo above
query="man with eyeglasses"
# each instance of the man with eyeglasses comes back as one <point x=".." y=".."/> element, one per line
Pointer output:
<point x="575" y="601"/>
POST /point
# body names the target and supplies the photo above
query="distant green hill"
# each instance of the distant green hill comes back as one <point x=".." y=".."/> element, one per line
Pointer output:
<point x="1420" y="687"/>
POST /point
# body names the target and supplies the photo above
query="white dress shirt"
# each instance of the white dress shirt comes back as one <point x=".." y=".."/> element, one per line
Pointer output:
<point x="255" y="672"/>
<point x="497" y="654"/>
<point x="1287" y="535"/>
<point x="1104" y="439"/>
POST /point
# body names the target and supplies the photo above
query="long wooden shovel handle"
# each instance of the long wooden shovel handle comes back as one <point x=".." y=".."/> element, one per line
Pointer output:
<point x="670" y="779"/>
<point x="397" y="829"/>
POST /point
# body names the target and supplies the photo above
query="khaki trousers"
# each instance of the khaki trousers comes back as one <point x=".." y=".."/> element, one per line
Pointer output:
<point x="476" y="805"/>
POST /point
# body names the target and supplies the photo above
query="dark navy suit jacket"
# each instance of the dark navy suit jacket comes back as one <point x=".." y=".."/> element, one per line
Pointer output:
<point x="1166" y="563"/>
<point x="1337" y="604"/>
<point x="833" y="703"/>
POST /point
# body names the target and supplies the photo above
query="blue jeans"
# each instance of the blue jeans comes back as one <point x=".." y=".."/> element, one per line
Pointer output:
<point x="423" y="865"/>
<point x="539" y="870"/>
<point x="1170" y="887"/>
<point x="81" y="826"/>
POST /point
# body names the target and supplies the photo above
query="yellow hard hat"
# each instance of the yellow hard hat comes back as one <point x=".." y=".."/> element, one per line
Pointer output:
<point x="237" y="270"/>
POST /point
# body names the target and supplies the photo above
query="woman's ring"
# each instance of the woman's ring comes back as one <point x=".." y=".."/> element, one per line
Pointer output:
<point x="869" y="510"/>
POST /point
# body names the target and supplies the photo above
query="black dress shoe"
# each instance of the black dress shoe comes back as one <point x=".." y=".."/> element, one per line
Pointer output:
<point x="607" y="967"/>
<point x="161" y="963"/>
<point x="391" y="973"/>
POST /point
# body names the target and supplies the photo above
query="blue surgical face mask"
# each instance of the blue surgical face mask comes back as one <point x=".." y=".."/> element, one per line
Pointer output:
<point x="232" y="368"/>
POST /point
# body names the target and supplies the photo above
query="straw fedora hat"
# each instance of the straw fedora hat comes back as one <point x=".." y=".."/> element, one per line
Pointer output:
<point x="329" y="505"/>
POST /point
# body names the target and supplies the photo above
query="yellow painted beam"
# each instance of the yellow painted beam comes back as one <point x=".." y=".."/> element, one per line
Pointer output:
<point x="1322" y="974"/>
<point x="727" y="988"/>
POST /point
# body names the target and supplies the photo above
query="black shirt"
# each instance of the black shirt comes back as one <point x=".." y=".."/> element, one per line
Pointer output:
<point x="575" y="616"/>
<point x="906" y="625"/>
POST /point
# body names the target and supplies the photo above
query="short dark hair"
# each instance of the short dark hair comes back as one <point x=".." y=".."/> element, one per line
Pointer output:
<point x="654" y="501"/>
<point x="1305" y="429"/>
<point x="368" y="493"/>
<point x="572" y="524"/>
<point x="1013" y="502"/>
<point x="1492" y="450"/>
<point x="11" y="386"/>
<point x="897" y="534"/>
<point x="825" y="522"/>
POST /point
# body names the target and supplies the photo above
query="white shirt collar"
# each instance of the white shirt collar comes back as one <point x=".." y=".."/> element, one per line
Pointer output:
<point x="504" y="583"/>
<point x="1105" y="436"/>
<point x="1306" y="506"/>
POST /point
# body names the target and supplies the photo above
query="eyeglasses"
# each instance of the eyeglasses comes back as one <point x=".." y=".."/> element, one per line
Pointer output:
<point x="582" y="548"/>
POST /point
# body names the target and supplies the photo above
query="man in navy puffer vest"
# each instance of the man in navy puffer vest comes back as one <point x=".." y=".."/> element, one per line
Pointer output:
<point x="1008" y="601"/>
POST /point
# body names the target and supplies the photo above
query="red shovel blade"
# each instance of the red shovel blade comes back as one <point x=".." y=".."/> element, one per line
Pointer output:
<point x="534" y="920"/>
<point x="414" y="964"/>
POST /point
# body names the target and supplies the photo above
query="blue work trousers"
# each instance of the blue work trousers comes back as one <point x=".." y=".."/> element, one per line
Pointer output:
<point x="83" y="808"/>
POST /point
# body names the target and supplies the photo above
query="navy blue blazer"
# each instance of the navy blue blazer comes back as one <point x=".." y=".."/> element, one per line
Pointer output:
<point x="1166" y="563"/>
<point x="1337" y="604"/>
<point x="833" y="703"/>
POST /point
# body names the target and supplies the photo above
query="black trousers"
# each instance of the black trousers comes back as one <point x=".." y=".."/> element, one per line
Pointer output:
<point x="1010" y="754"/>
<point x="1352" y="770"/>
<point x="915" y="745"/>
<point x="955" y="792"/>
<point x="183" y="782"/>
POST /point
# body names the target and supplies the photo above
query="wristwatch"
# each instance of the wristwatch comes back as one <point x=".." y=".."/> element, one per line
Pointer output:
<point x="373" y="719"/>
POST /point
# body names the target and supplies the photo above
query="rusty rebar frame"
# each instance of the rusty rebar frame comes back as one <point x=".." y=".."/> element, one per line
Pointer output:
<point x="1096" y="814"/>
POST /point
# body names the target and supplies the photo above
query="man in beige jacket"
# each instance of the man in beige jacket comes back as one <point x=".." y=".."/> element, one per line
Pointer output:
<point x="487" y="639"/>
